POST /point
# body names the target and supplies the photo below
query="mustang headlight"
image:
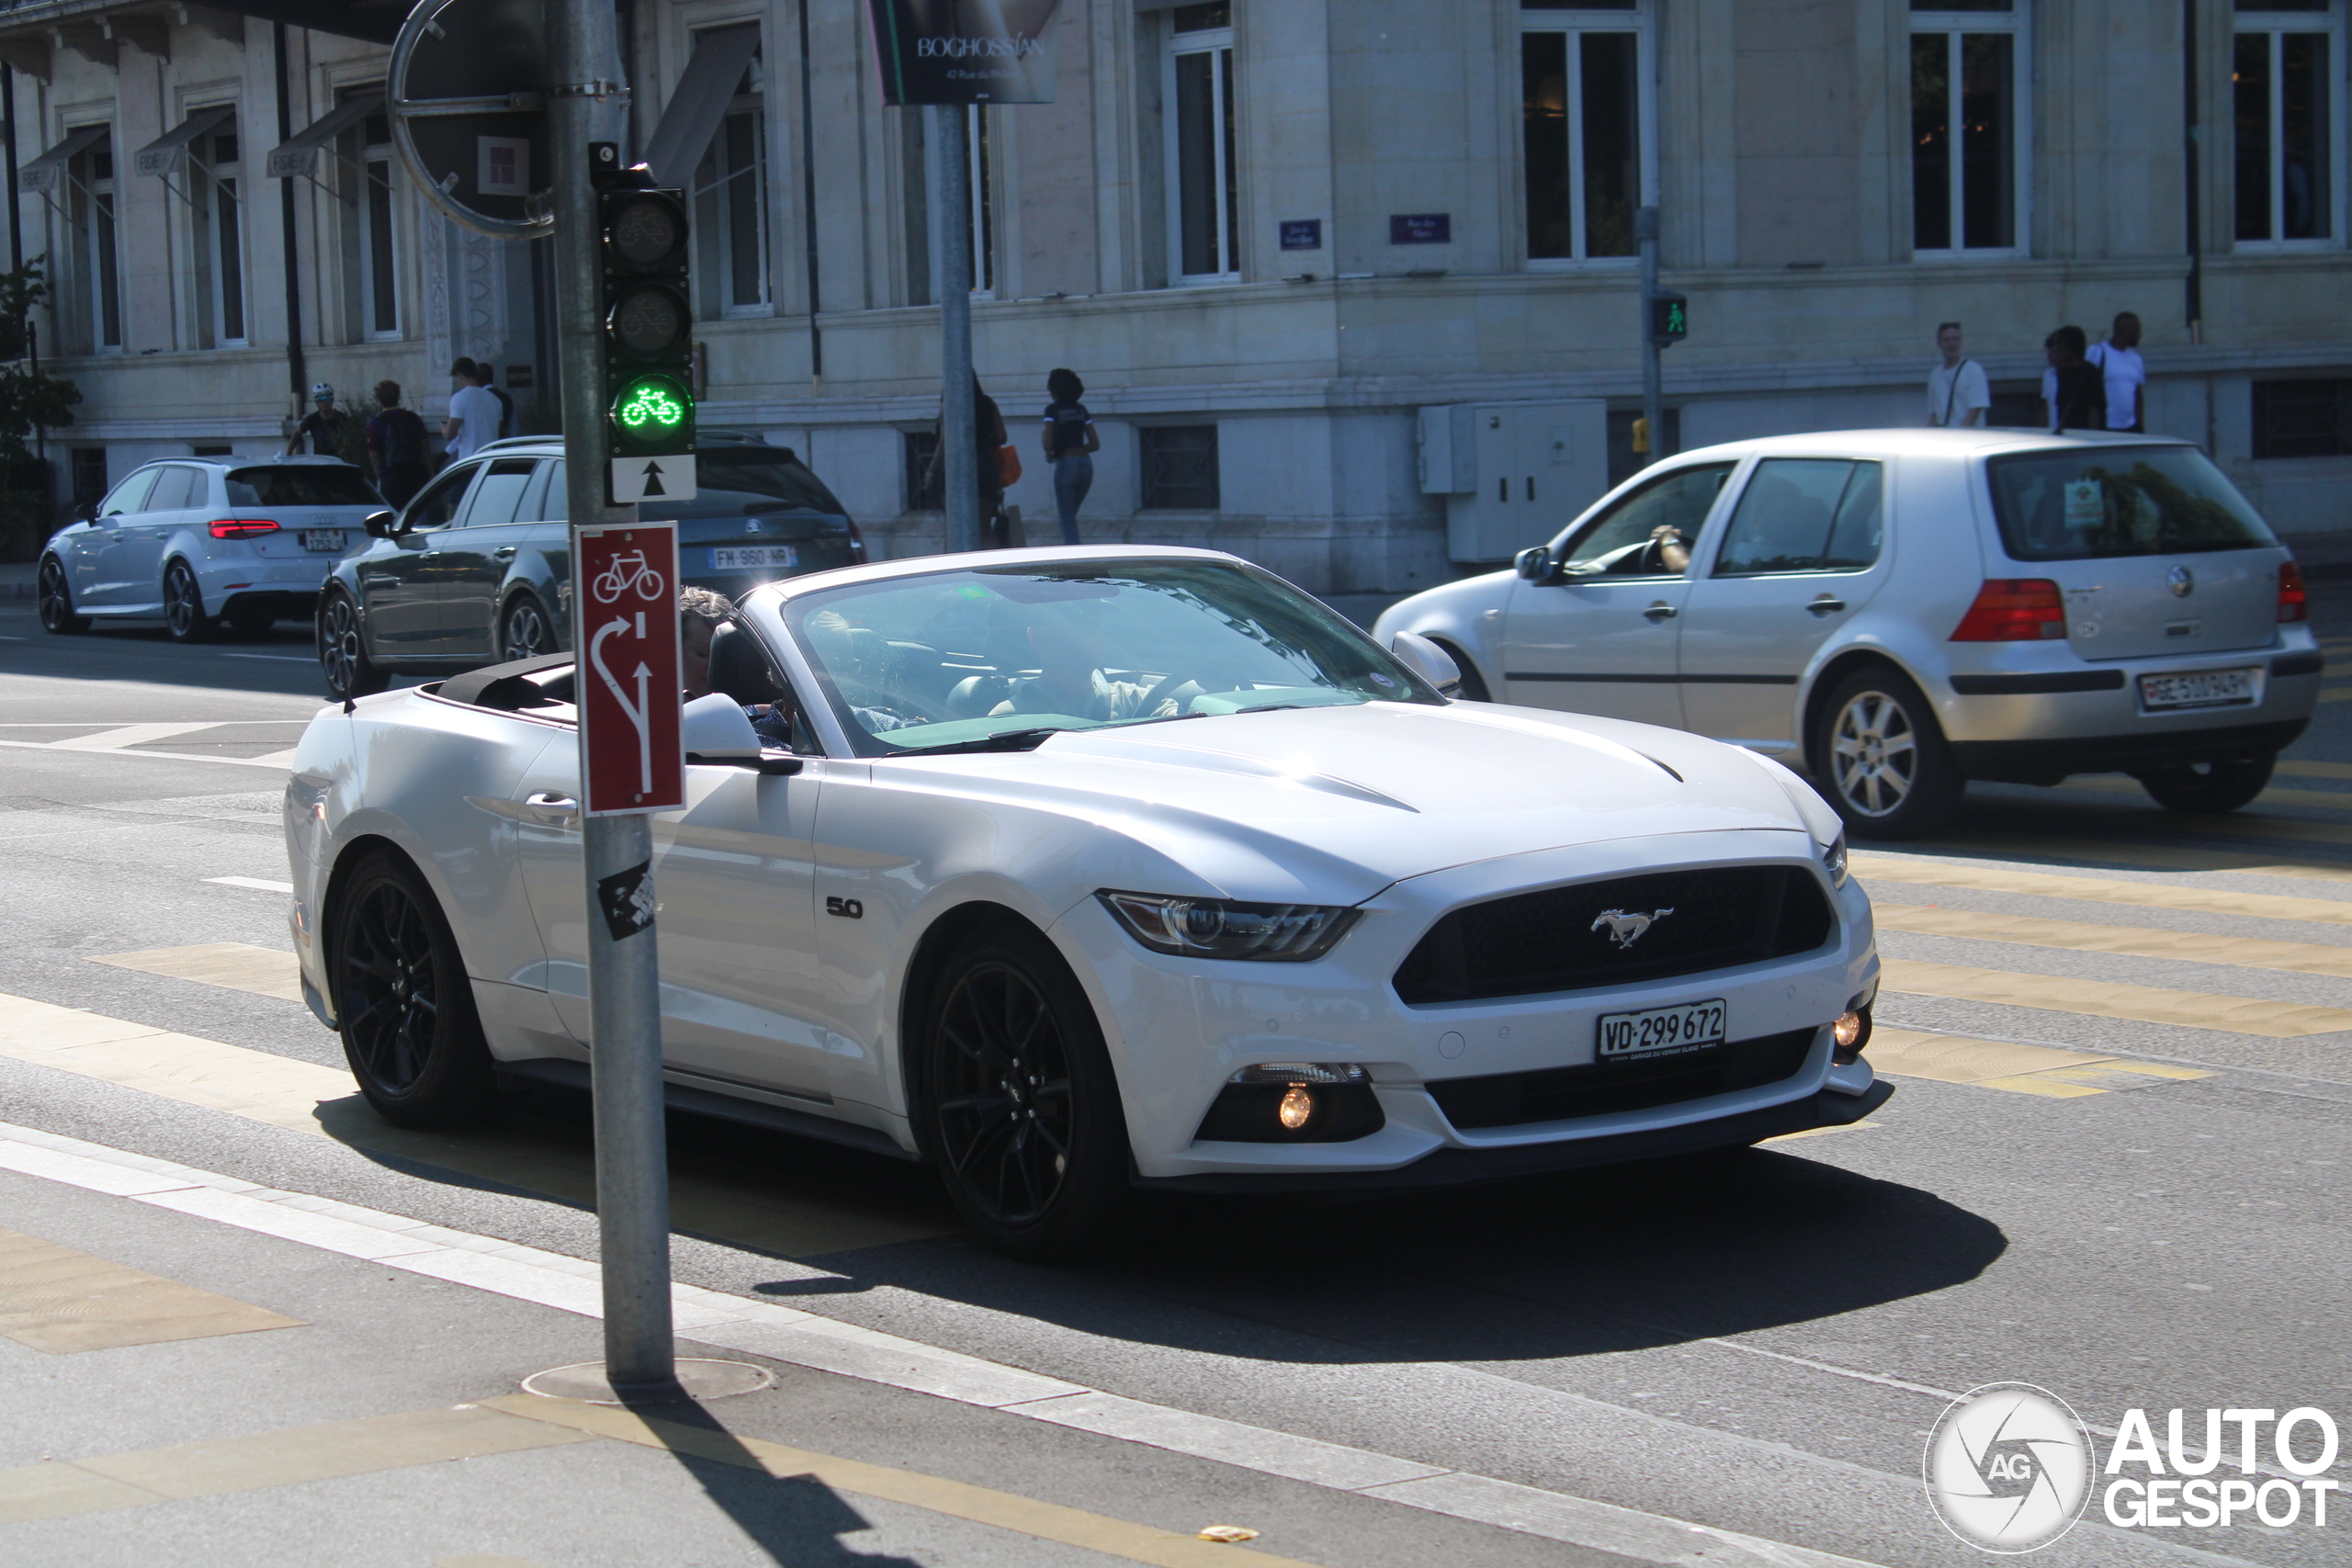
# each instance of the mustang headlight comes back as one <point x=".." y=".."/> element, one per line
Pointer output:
<point x="1218" y="927"/>
<point x="1833" y="859"/>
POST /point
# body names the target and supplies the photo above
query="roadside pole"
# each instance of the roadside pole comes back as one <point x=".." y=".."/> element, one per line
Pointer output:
<point x="588" y="104"/>
<point x="951" y="219"/>
<point x="1653" y="378"/>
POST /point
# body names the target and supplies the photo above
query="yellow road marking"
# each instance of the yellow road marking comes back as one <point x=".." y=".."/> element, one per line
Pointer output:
<point x="2327" y="800"/>
<point x="2296" y="767"/>
<point x="2000" y="1063"/>
<point x="1821" y="1132"/>
<point x="2335" y="693"/>
<point x="2104" y="890"/>
<point x="2194" y="947"/>
<point x="935" y="1494"/>
<point x="780" y="1214"/>
<point x="2165" y="857"/>
<point x="268" y="1458"/>
<point x="58" y="1301"/>
<point x="240" y="967"/>
<point x="2101" y="998"/>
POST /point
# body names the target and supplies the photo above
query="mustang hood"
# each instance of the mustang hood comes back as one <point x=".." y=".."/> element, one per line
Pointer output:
<point x="1360" y="796"/>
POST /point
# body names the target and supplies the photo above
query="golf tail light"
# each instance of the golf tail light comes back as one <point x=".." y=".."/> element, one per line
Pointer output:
<point x="1218" y="927"/>
<point x="1294" y="1102"/>
<point x="2014" y="609"/>
<point x="240" y="527"/>
<point x="2294" y="604"/>
<point x="1850" y="1034"/>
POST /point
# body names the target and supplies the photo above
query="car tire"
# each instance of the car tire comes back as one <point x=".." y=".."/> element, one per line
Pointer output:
<point x="343" y="650"/>
<point x="1474" y="686"/>
<point x="403" y="1002"/>
<point x="527" y="630"/>
<point x="2209" y="789"/>
<point x="184" y="615"/>
<point x="1016" y="1100"/>
<point x="57" y="616"/>
<point x="1880" y="758"/>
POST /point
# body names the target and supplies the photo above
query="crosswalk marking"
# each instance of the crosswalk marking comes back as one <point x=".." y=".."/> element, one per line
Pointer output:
<point x="2163" y="857"/>
<point x="256" y="884"/>
<point x="237" y="965"/>
<point x="2003" y="1064"/>
<point x="2324" y="800"/>
<point x="125" y="735"/>
<point x="2101" y="998"/>
<point x="2295" y="767"/>
<point x="59" y="1301"/>
<point x="2137" y="941"/>
<point x="2103" y="889"/>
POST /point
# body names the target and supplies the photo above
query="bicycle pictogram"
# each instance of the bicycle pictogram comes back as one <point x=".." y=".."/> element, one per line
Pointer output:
<point x="619" y="578"/>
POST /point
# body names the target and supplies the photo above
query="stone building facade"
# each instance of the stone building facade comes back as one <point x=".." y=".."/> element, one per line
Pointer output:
<point x="1268" y="234"/>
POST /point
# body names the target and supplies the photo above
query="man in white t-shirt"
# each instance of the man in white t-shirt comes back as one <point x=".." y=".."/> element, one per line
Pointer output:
<point x="474" y="412"/>
<point x="2119" y="359"/>
<point x="1956" y="391"/>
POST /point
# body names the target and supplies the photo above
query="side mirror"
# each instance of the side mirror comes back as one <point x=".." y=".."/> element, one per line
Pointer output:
<point x="85" y="511"/>
<point x="379" y="524"/>
<point x="1534" y="563"/>
<point x="1427" y="660"/>
<point x="717" y="735"/>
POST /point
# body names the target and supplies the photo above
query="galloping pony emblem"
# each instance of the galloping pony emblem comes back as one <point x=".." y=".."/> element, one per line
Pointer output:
<point x="1625" y="929"/>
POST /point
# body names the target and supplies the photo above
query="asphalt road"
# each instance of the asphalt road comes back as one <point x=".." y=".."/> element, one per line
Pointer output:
<point x="2116" y="1168"/>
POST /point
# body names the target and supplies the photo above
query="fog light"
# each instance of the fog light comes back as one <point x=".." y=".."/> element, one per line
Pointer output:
<point x="1848" y="1036"/>
<point x="1297" y="1107"/>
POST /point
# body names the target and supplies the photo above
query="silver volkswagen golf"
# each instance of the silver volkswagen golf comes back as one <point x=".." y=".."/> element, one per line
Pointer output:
<point x="1901" y="611"/>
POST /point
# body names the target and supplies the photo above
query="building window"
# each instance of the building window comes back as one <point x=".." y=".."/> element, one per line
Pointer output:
<point x="89" y="474"/>
<point x="918" y="447"/>
<point x="371" y="237"/>
<point x="1204" y="183"/>
<point x="1584" y="108"/>
<point x="1179" y="467"/>
<point x="730" y="212"/>
<point x="1968" y="113"/>
<point x="218" y="218"/>
<point x="2302" y="419"/>
<point x="97" y="263"/>
<point x="2286" y="119"/>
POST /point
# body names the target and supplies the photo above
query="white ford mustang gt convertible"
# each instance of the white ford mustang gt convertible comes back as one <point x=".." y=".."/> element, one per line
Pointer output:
<point x="1077" y="869"/>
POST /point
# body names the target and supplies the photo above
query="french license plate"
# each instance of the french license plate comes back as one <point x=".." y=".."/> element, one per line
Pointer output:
<point x="322" y="539"/>
<point x="1661" y="1031"/>
<point x="2203" y="689"/>
<point x="753" y="557"/>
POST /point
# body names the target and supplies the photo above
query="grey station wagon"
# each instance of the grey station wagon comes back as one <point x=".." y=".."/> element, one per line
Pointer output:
<point x="1901" y="611"/>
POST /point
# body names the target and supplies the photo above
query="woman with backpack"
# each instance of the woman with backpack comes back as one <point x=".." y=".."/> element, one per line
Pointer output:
<point x="396" y="447"/>
<point x="1070" y="443"/>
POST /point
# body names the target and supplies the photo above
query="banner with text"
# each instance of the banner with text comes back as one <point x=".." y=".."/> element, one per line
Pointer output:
<point x="965" y="51"/>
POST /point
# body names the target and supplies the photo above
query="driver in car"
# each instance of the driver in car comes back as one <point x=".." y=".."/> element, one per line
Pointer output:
<point x="1068" y="650"/>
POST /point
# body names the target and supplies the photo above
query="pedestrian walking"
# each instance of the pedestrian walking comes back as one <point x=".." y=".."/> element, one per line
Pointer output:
<point x="322" y="427"/>
<point x="2125" y="372"/>
<point x="990" y="439"/>
<point x="396" y="447"/>
<point x="1070" y="444"/>
<point x="2072" y="388"/>
<point x="472" y="424"/>
<point x="1958" y="394"/>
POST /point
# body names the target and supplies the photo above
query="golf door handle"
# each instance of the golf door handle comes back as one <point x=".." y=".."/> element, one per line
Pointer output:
<point x="503" y="552"/>
<point x="550" y="807"/>
<point x="1661" y="611"/>
<point x="1827" y="605"/>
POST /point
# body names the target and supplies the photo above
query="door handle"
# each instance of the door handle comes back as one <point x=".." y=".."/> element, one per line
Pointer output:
<point x="1661" y="611"/>
<point x="503" y="552"/>
<point x="1826" y="605"/>
<point x="381" y="579"/>
<point x="550" y="807"/>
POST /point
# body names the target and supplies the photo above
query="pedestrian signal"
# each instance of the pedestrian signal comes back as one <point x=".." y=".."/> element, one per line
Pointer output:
<point x="1669" y="318"/>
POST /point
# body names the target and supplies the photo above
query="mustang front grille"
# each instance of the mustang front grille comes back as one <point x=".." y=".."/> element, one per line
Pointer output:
<point x="1618" y="932"/>
<point x="1561" y="1094"/>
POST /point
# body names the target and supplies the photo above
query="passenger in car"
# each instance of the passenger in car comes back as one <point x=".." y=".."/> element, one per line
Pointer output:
<point x="700" y="615"/>
<point x="1067" y="646"/>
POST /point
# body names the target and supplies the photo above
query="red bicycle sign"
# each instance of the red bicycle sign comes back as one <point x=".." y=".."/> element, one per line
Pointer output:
<point x="629" y="684"/>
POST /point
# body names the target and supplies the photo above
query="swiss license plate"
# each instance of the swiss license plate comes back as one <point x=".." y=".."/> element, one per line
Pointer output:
<point x="753" y="557"/>
<point x="2202" y="689"/>
<point x="322" y="539"/>
<point x="1661" y="1031"/>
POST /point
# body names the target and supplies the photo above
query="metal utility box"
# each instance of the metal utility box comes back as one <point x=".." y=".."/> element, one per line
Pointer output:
<point x="1513" y="474"/>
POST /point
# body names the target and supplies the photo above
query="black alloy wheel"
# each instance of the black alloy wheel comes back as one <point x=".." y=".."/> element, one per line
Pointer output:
<point x="1018" y="1106"/>
<point x="342" y="652"/>
<point x="57" y="616"/>
<point x="1880" y="758"/>
<point x="2209" y="788"/>
<point x="528" y="631"/>
<point x="403" y="1002"/>
<point x="183" y="613"/>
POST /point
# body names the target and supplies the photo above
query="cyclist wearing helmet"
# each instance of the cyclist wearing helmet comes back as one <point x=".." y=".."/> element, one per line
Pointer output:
<point x="323" y="426"/>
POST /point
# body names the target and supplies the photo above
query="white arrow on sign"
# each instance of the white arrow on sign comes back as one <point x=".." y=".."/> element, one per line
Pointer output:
<point x="652" y="479"/>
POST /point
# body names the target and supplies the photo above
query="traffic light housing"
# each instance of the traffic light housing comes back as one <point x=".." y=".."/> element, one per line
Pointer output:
<point x="646" y="315"/>
<point x="1670" y="319"/>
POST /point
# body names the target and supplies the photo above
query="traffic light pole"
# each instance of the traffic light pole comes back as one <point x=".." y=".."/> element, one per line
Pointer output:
<point x="951" y="218"/>
<point x="1653" y="375"/>
<point x="589" y="105"/>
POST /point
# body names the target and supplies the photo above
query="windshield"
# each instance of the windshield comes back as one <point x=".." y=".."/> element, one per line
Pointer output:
<point x="743" y="482"/>
<point x="1003" y="656"/>
<point x="308" y="485"/>
<point x="2092" y="503"/>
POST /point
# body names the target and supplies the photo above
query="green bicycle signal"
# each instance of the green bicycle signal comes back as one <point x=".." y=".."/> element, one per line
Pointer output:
<point x="653" y="415"/>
